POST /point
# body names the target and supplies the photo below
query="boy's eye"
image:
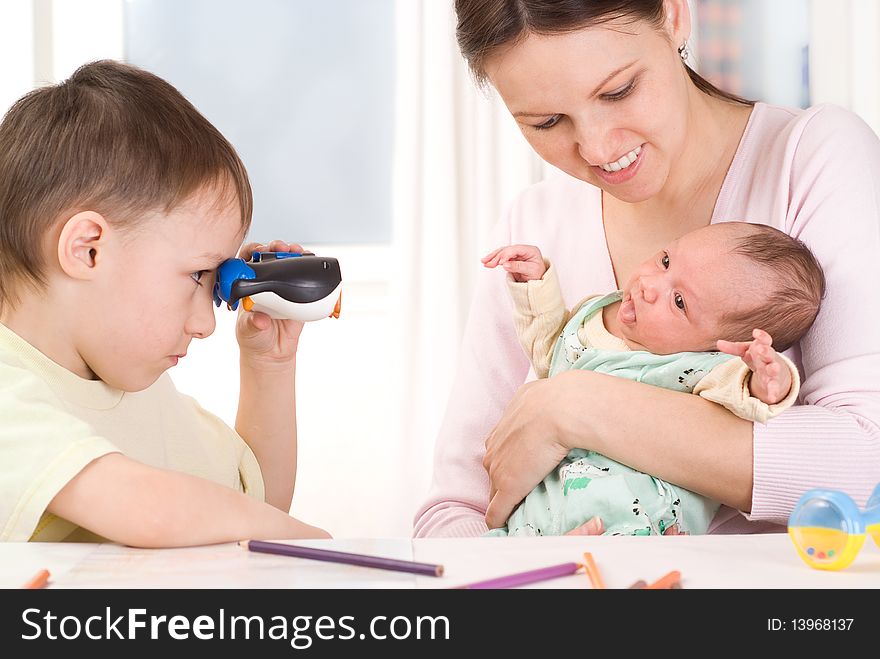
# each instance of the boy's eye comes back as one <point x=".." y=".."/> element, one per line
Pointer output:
<point x="197" y="276"/>
<point x="679" y="301"/>
<point x="552" y="121"/>
<point x="665" y="261"/>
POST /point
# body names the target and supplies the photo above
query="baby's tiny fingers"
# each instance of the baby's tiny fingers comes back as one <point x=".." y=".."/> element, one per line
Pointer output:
<point x="762" y="337"/>
<point x="732" y="348"/>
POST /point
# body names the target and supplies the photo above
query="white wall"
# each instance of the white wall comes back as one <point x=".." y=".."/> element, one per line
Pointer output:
<point x="845" y="56"/>
<point x="16" y="51"/>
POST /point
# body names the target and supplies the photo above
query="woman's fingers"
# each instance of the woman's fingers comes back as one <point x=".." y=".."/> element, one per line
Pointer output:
<point x="674" y="530"/>
<point x="500" y="506"/>
<point x="592" y="527"/>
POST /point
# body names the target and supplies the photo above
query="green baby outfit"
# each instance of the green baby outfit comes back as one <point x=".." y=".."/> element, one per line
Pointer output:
<point x="587" y="484"/>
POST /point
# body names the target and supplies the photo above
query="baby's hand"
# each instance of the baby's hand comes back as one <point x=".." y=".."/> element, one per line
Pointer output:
<point x="524" y="262"/>
<point x="771" y="379"/>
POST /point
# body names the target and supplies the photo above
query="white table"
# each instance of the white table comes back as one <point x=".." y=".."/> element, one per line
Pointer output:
<point x="748" y="561"/>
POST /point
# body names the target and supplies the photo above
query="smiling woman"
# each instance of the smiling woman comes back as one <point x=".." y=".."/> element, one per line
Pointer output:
<point x="591" y="84"/>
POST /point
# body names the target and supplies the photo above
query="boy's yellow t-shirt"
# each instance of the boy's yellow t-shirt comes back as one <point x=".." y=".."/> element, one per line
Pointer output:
<point x="53" y="423"/>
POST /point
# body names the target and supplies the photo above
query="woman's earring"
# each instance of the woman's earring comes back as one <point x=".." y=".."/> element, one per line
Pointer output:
<point x="684" y="52"/>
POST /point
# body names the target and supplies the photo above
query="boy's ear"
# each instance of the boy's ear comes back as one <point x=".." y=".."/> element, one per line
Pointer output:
<point x="678" y="21"/>
<point x="81" y="244"/>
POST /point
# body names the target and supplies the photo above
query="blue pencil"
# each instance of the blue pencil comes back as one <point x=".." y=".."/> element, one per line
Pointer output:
<point x="522" y="578"/>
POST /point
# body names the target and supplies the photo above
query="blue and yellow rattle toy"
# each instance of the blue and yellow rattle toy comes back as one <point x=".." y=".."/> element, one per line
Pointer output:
<point x="828" y="529"/>
<point x="282" y="284"/>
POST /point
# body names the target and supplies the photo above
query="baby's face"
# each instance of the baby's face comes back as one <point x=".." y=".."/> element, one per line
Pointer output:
<point x="675" y="301"/>
<point x="156" y="295"/>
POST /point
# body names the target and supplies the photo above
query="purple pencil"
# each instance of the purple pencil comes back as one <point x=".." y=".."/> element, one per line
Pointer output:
<point x="364" y="560"/>
<point x="522" y="578"/>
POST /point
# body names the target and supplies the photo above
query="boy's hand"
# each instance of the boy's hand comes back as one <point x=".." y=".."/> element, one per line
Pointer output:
<point x="771" y="379"/>
<point x="524" y="262"/>
<point x="264" y="340"/>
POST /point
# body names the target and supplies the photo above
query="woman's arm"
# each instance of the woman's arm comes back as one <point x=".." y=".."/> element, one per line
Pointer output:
<point x="677" y="437"/>
<point x="833" y="440"/>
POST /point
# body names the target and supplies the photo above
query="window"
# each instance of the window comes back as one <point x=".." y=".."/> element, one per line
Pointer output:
<point x="303" y="90"/>
<point x="756" y="49"/>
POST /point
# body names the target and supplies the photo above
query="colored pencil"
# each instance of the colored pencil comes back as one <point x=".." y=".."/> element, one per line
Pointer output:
<point x="668" y="580"/>
<point x="522" y="578"/>
<point x="39" y="580"/>
<point x="363" y="560"/>
<point x="641" y="583"/>
<point x="593" y="571"/>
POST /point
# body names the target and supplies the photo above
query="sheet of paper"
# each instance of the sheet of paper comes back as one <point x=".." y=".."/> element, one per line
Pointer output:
<point x="233" y="566"/>
<point x="22" y="560"/>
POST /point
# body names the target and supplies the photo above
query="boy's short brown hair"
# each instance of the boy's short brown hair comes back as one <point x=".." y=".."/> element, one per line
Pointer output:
<point x="114" y="139"/>
<point x="793" y="287"/>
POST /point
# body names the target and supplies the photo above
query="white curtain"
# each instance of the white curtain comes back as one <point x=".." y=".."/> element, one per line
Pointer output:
<point x="844" y="56"/>
<point x="459" y="158"/>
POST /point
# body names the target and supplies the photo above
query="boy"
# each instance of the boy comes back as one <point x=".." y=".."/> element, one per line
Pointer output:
<point x="663" y="328"/>
<point x="118" y="200"/>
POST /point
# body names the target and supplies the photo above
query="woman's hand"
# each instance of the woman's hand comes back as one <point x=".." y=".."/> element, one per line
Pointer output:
<point x="526" y="444"/>
<point x="265" y="341"/>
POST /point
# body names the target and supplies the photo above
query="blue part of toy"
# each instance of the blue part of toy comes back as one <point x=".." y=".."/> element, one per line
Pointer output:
<point x="829" y="509"/>
<point x="230" y="270"/>
<point x="874" y="500"/>
<point x="258" y="257"/>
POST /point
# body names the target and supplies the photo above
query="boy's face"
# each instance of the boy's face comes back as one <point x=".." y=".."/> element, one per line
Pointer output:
<point x="676" y="300"/>
<point x="154" y="295"/>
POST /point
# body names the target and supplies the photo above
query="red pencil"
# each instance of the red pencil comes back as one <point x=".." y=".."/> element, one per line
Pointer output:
<point x="39" y="580"/>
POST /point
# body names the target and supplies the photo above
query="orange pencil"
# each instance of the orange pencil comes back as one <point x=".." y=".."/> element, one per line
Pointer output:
<point x="668" y="580"/>
<point x="39" y="580"/>
<point x="593" y="571"/>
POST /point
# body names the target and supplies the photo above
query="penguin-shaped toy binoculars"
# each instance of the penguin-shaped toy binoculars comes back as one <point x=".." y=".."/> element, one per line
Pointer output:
<point x="282" y="285"/>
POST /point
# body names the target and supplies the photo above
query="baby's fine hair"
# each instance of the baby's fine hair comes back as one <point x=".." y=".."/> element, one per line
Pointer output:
<point x="113" y="139"/>
<point x="792" y="281"/>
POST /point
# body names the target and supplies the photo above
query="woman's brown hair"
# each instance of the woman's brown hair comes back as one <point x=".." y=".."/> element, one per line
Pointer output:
<point x="484" y="26"/>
